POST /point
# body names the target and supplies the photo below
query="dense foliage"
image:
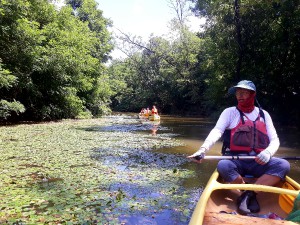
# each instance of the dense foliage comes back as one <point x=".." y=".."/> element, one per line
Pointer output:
<point x="256" y="40"/>
<point x="52" y="61"/>
<point x="242" y="39"/>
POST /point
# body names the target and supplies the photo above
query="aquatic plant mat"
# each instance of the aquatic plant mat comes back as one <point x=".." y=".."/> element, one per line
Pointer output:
<point x="97" y="171"/>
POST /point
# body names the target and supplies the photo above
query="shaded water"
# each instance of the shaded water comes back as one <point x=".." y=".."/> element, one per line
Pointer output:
<point x="193" y="131"/>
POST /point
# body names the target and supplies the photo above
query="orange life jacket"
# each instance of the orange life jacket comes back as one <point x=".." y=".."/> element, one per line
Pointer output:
<point x="247" y="136"/>
<point x="154" y="111"/>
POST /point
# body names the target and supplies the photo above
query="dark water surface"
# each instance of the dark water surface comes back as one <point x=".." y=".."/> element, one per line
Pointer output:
<point x="193" y="131"/>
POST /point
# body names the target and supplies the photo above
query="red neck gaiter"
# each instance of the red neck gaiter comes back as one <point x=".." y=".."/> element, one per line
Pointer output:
<point x="247" y="105"/>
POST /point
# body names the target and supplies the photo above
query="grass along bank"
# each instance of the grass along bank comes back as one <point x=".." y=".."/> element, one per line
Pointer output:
<point x="97" y="171"/>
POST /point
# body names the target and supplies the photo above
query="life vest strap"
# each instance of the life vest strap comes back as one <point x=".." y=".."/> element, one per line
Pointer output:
<point x="226" y="135"/>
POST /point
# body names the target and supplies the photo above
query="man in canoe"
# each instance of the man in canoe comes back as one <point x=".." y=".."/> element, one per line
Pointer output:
<point x="246" y="130"/>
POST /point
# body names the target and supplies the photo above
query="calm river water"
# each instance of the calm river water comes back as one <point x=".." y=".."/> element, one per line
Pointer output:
<point x="193" y="131"/>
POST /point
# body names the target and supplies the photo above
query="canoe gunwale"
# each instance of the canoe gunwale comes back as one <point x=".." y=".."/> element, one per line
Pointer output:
<point x="154" y="117"/>
<point x="212" y="185"/>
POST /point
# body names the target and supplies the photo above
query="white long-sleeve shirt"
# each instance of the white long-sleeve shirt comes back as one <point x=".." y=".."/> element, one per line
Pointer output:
<point x="230" y="118"/>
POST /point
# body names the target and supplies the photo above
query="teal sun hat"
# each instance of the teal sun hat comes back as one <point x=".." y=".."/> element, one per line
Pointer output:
<point x="245" y="84"/>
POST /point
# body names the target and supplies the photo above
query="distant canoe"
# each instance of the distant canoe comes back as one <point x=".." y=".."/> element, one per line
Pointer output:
<point x="154" y="117"/>
<point x="143" y="115"/>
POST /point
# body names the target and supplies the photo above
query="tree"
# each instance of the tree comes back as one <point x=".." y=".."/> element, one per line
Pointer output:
<point x="256" y="40"/>
<point x="87" y="11"/>
<point x="163" y="68"/>
<point x="7" y="80"/>
<point x="57" y="58"/>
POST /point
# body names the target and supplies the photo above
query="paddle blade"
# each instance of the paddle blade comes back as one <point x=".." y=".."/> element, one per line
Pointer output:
<point x="295" y="214"/>
<point x="286" y="202"/>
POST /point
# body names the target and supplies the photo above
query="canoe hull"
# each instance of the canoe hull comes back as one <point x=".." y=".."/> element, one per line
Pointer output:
<point x="154" y="117"/>
<point x="218" y="197"/>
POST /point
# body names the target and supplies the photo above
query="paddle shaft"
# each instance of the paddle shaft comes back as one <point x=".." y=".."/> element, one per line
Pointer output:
<point x="246" y="157"/>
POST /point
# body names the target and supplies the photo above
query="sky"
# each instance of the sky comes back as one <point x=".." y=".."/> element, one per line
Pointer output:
<point x="141" y="17"/>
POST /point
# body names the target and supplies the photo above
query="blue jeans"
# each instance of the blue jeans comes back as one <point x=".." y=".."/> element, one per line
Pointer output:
<point x="231" y="169"/>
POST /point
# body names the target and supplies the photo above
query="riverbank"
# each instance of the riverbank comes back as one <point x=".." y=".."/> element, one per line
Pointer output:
<point x="97" y="171"/>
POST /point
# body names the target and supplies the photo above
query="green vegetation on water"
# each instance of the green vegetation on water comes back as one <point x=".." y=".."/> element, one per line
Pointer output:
<point x="95" y="171"/>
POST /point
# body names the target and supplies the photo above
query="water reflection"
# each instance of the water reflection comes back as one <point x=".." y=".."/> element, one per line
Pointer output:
<point x="193" y="131"/>
<point x="154" y="127"/>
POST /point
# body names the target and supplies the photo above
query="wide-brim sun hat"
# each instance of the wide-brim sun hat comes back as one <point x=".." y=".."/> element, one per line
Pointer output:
<point x="245" y="84"/>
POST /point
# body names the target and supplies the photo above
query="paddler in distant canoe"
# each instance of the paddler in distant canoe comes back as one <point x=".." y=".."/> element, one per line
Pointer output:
<point x="142" y="112"/>
<point x="154" y="110"/>
<point x="246" y="130"/>
<point x="148" y="111"/>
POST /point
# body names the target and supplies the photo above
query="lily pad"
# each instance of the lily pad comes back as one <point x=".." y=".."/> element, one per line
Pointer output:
<point x="88" y="171"/>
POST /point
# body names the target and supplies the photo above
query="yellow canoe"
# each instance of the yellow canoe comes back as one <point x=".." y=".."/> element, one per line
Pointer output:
<point x="217" y="204"/>
<point x="154" y="117"/>
<point x="143" y="116"/>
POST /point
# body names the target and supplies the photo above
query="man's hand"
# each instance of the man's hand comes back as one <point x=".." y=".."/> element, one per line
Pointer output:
<point x="198" y="156"/>
<point x="263" y="157"/>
